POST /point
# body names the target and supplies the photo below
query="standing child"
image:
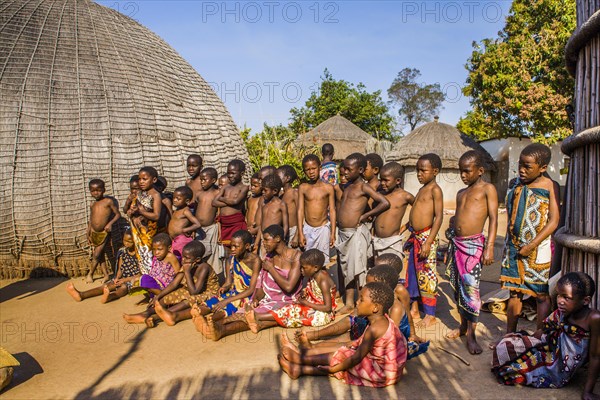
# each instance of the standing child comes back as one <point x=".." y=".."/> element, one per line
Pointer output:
<point x="166" y="199"/>
<point x="388" y="225"/>
<point x="424" y="223"/>
<point x="354" y="235"/>
<point x="208" y="233"/>
<point x="468" y="249"/>
<point x="104" y="212"/>
<point x="374" y="165"/>
<point x="375" y="359"/>
<point x="533" y="215"/>
<point x="316" y="210"/>
<point x="316" y="305"/>
<point x="134" y="189"/>
<point x="252" y="203"/>
<point x="271" y="209"/>
<point x="127" y="271"/>
<point x="328" y="170"/>
<point x="288" y="176"/>
<point x="194" y="166"/>
<point x="183" y="223"/>
<point x="144" y="214"/>
<point x="567" y="339"/>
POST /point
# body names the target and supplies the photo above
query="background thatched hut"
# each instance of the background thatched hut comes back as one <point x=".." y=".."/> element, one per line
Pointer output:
<point x="580" y="236"/>
<point x="345" y="137"/>
<point x="447" y="142"/>
<point x="86" y="92"/>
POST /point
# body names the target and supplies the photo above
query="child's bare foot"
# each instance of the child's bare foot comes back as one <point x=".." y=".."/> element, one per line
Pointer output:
<point x="426" y="322"/>
<point x="105" y="295"/>
<point x="303" y="340"/>
<point x="74" y="293"/>
<point x="216" y="329"/>
<point x="208" y="328"/>
<point x="472" y="345"/>
<point x="164" y="314"/>
<point x="150" y="323"/>
<point x="134" y="318"/>
<point x="252" y="322"/>
<point x="347" y="309"/>
<point x="291" y="354"/>
<point x="89" y="278"/>
<point x="289" y="368"/>
<point x="195" y="311"/>
<point x="455" y="334"/>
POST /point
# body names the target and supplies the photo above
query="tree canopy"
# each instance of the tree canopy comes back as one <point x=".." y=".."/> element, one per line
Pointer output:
<point x="417" y="102"/>
<point x="366" y="110"/>
<point x="517" y="83"/>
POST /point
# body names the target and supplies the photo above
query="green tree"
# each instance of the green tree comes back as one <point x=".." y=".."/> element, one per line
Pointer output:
<point x="517" y="82"/>
<point x="367" y="110"/>
<point x="417" y="102"/>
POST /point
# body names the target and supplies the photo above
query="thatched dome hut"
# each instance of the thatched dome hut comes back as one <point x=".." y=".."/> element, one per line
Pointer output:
<point x="345" y="137"/>
<point x="86" y="92"/>
<point x="447" y="142"/>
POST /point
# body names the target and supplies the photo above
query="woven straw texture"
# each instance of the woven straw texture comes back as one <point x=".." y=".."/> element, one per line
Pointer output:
<point x="86" y="92"/>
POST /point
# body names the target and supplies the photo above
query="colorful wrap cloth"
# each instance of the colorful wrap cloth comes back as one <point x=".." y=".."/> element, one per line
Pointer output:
<point x="182" y="293"/>
<point x="143" y="231"/>
<point x="296" y="315"/>
<point x="230" y="224"/>
<point x="178" y="244"/>
<point x="328" y="173"/>
<point x="241" y="275"/>
<point x="383" y="364"/>
<point x="128" y="264"/>
<point x="421" y="276"/>
<point x="352" y="244"/>
<point x="98" y="238"/>
<point x="527" y="210"/>
<point x="547" y="363"/>
<point x="464" y="271"/>
<point x="275" y="297"/>
<point x="318" y="238"/>
<point x="161" y="274"/>
<point x="209" y="237"/>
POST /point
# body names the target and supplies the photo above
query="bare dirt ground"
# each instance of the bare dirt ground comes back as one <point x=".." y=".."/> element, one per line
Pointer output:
<point x="86" y="350"/>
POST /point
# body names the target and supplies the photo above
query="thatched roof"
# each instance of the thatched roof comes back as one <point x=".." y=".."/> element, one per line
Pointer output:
<point x="439" y="138"/>
<point x="345" y="137"/>
<point x="86" y="92"/>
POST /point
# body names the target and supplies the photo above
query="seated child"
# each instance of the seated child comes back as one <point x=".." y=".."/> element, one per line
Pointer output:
<point x="241" y="276"/>
<point x="134" y="189"/>
<point x="569" y="338"/>
<point x="183" y="222"/>
<point x="375" y="359"/>
<point x="315" y="307"/>
<point x="127" y="270"/>
<point x="195" y="283"/>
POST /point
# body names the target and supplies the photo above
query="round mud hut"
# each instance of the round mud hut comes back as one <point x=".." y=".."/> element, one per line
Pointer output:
<point x="86" y="92"/>
<point x="447" y="142"/>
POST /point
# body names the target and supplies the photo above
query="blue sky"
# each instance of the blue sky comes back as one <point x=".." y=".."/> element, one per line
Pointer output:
<point x="265" y="57"/>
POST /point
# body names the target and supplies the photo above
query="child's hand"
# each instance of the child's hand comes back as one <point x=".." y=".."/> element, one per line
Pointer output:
<point x="425" y="249"/>
<point x="416" y="339"/>
<point x="488" y="255"/>
<point x="332" y="240"/>
<point x="294" y="242"/>
<point x="224" y="289"/>
<point x="108" y="228"/>
<point x="267" y="265"/>
<point x="301" y="240"/>
<point x="526" y="250"/>
<point x="302" y="301"/>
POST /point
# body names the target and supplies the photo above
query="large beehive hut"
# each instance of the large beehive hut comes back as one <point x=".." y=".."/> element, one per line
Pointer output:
<point x="447" y="142"/>
<point x="86" y="92"/>
<point x="580" y="236"/>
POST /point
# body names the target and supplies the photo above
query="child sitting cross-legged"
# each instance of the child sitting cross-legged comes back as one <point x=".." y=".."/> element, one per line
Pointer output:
<point x="316" y="306"/>
<point x="375" y="359"/>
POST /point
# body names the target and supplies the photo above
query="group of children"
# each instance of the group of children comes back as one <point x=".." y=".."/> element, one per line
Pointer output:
<point x="261" y="240"/>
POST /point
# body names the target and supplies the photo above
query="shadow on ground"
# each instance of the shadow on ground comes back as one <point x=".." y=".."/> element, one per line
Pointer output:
<point x="28" y="287"/>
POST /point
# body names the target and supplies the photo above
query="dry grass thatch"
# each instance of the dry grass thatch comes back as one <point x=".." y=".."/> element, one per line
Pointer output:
<point x="86" y="92"/>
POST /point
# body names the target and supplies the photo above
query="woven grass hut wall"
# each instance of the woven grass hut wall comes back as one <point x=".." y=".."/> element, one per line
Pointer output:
<point x="447" y="142"/>
<point x="86" y="92"/>
<point x="580" y="236"/>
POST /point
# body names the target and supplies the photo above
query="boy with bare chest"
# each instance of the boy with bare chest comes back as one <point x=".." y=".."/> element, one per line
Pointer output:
<point x="388" y="226"/>
<point x="104" y="212"/>
<point x="271" y="209"/>
<point x="252" y="203"/>
<point x="194" y="166"/>
<point x="183" y="223"/>
<point x="288" y="175"/>
<point x="468" y="251"/>
<point x="208" y="233"/>
<point x="354" y="234"/>
<point x="316" y="209"/>
<point x="424" y="223"/>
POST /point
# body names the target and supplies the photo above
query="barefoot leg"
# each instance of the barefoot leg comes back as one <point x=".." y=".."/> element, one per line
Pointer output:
<point x="456" y="333"/>
<point x="513" y="309"/>
<point x="292" y="370"/>
<point x="74" y="293"/>
<point x="139" y="318"/>
<point x="105" y="295"/>
<point x="414" y="311"/>
<point x="427" y="321"/>
<point x="302" y="339"/>
<point x="252" y="321"/>
<point x="164" y="314"/>
<point x="472" y="345"/>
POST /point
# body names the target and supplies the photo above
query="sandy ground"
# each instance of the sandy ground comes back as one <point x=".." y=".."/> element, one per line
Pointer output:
<point x="86" y="350"/>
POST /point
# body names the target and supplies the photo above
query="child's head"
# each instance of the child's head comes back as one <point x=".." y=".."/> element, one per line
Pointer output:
<point x="182" y="196"/>
<point x="241" y="241"/>
<point x="208" y="178"/>
<point x="266" y="171"/>
<point x="192" y="253"/>
<point x="148" y="176"/>
<point x="194" y="165"/>
<point x="354" y="166"/>
<point x="97" y="188"/>
<point x="134" y="184"/>
<point x="375" y="298"/>
<point x="374" y="164"/>
<point x="255" y="187"/>
<point x="161" y="245"/>
<point x="428" y="166"/>
<point x="311" y="262"/>
<point x="271" y="185"/>
<point x="470" y="166"/>
<point x="391" y="260"/>
<point x="287" y="174"/>
<point x="272" y="236"/>
<point x="235" y="170"/>
<point x="383" y="273"/>
<point x="311" y="165"/>
<point x="343" y="179"/>
<point x="327" y="150"/>
<point x="533" y="162"/>
<point x="390" y="176"/>
<point x="575" y="291"/>
<point x="128" y="240"/>
<point x="161" y="184"/>
<point x="223" y="181"/>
